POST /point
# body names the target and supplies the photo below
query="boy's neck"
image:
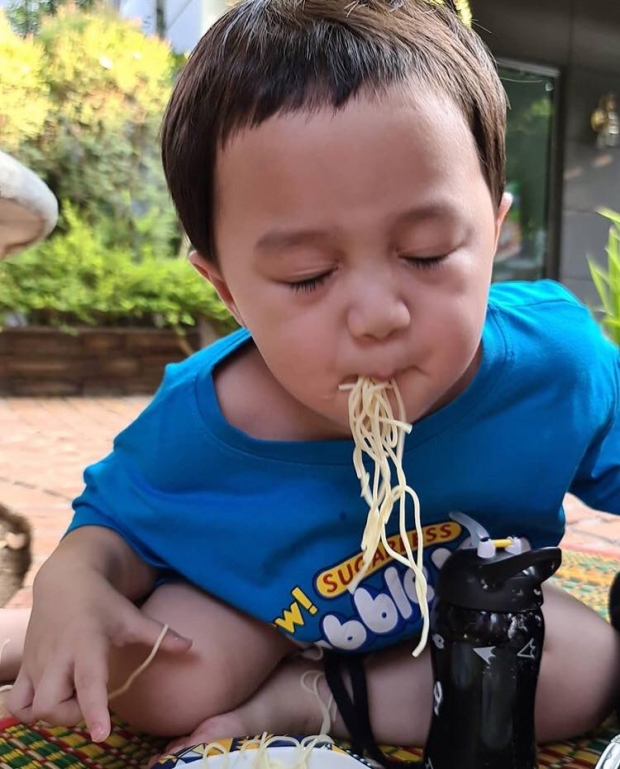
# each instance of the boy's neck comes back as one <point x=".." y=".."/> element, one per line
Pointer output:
<point x="253" y="401"/>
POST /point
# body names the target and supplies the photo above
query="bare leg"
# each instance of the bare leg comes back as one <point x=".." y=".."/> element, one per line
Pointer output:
<point x="231" y="656"/>
<point x="580" y="672"/>
<point x="579" y="680"/>
<point x="14" y="623"/>
<point x="399" y="699"/>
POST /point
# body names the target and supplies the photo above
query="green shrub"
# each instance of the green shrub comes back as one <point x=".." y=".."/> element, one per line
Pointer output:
<point x="76" y="279"/>
<point x="24" y="92"/>
<point x="607" y="279"/>
<point x="81" y="104"/>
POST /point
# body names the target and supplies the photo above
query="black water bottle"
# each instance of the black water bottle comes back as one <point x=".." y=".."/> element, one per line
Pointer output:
<point x="487" y="637"/>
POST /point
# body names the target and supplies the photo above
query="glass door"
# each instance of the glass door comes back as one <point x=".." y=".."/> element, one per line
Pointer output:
<point x="528" y="241"/>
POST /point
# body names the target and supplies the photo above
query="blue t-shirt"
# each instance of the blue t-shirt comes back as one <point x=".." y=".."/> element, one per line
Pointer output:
<point x="274" y="528"/>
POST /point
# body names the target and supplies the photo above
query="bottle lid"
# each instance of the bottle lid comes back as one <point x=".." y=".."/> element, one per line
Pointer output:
<point x="504" y="582"/>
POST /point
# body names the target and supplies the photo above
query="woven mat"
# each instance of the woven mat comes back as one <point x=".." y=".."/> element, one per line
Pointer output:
<point x="587" y="576"/>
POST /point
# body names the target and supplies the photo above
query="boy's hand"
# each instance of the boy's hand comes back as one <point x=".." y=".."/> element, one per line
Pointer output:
<point x="77" y="616"/>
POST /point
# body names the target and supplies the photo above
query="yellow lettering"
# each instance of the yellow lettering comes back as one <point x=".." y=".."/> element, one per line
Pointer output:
<point x="290" y="619"/>
<point x="334" y="581"/>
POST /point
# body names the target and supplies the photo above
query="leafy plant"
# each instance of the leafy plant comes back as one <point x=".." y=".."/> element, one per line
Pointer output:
<point x="81" y="104"/>
<point x="607" y="279"/>
<point x="24" y="92"/>
<point x="77" y="279"/>
<point x="25" y="16"/>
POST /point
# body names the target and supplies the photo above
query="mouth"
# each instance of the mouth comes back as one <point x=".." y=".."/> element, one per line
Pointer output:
<point x="383" y="377"/>
<point x="379" y="377"/>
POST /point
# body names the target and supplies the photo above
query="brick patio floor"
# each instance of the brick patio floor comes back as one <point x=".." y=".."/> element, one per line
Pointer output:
<point x="45" y="443"/>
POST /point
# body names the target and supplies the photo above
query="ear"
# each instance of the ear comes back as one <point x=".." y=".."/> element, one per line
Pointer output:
<point x="504" y="207"/>
<point x="213" y="274"/>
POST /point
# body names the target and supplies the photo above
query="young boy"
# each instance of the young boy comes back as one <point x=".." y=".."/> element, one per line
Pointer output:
<point x="339" y="169"/>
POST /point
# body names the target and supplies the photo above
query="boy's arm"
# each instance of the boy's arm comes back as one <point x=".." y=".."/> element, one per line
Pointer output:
<point x="82" y="606"/>
<point x="104" y="551"/>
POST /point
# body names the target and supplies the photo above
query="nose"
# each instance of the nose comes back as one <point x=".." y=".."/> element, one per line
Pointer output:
<point x="377" y="314"/>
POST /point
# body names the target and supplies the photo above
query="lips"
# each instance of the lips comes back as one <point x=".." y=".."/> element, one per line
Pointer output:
<point x="376" y="377"/>
<point x="382" y="376"/>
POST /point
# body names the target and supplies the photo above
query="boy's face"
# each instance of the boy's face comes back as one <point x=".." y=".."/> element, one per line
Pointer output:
<point x="358" y="243"/>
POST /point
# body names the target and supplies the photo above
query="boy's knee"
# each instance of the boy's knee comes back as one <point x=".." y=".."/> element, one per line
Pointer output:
<point x="579" y="682"/>
<point x="176" y="692"/>
<point x="167" y="698"/>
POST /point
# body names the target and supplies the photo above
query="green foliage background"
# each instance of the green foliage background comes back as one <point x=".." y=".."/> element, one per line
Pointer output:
<point x="607" y="279"/>
<point x="77" y="279"/>
<point x="81" y="103"/>
<point x="82" y="107"/>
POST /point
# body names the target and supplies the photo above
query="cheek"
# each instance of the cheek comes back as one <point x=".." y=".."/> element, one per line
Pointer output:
<point x="451" y="320"/>
<point x="293" y="349"/>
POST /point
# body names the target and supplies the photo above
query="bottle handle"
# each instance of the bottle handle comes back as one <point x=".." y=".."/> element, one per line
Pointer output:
<point x="477" y="532"/>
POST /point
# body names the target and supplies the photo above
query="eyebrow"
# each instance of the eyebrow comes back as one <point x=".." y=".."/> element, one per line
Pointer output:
<point x="279" y="240"/>
<point x="282" y="239"/>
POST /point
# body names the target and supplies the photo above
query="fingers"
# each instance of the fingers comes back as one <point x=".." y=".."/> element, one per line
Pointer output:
<point x="20" y="697"/>
<point x="70" y="689"/>
<point x="91" y="686"/>
<point x="54" y="698"/>
<point x="149" y="632"/>
<point x="67" y="692"/>
<point x="174" y="643"/>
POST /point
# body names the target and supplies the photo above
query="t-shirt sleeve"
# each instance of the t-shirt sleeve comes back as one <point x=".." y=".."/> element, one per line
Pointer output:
<point x="140" y="489"/>
<point x="118" y="498"/>
<point x="597" y="481"/>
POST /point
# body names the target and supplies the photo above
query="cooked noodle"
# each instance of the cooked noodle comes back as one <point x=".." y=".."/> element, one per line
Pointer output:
<point x="379" y="435"/>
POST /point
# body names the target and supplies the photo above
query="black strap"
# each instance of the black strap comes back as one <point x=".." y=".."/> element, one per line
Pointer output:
<point x="614" y="603"/>
<point x="614" y="618"/>
<point x="354" y="709"/>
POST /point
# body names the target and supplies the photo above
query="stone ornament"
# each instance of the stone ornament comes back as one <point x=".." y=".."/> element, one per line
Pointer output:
<point x="28" y="208"/>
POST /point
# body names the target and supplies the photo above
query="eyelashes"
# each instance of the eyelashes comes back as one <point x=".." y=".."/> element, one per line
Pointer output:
<point x="310" y="284"/>
<point x="307" y="285"/>
<point x="425" y="263"/>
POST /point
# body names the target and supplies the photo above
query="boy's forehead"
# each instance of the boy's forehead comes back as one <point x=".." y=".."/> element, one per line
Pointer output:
<point x="403" y="156"/>
<point x="414" y="107"/>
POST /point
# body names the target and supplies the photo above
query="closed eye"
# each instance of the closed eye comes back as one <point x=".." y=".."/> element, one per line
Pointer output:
<point x="425" y="262"/>
<point x="309" y="284"/>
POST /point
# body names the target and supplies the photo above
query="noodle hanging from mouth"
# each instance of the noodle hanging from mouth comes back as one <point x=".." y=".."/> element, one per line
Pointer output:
<point x="380" y="435"/>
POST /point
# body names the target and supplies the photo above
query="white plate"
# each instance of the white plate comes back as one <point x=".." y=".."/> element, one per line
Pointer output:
<point x="279" y="756"/>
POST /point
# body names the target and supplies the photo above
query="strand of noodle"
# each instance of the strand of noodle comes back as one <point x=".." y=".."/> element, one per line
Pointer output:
<point x="403" y="489"/>
<point x="420" y="582"/>
<point x="381" y="502"/>
<point x="262" y="760"/>
<point x="300" y="758"/>
<point x="417" y="564"/>
<point x="403" y="482"/>
<point x="210" y="749"/>
<point x="313" y="688"/>
<point x="382" y="473"/>
<point x="122" y="689"/>
<point x="367" y="441"/>
<point x="378" y="434"/>
<point x="421" y="585"/>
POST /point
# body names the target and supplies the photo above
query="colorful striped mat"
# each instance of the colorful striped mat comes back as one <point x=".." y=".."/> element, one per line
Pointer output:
<point x="37" y="747"/>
